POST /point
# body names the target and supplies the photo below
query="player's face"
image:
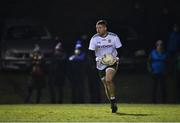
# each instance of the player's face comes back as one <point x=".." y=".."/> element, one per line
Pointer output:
<point x="101" y="29"/>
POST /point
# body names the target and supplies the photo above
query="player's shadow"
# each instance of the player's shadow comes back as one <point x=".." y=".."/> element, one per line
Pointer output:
<point x="128" y="114"/>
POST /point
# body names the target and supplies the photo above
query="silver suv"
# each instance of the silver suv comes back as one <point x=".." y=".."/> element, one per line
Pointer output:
<point x="18" y="40"/>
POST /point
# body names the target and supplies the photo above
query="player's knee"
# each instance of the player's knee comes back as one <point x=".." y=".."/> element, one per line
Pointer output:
<point x="109" y="74"/>
<point x="109" y="79"/>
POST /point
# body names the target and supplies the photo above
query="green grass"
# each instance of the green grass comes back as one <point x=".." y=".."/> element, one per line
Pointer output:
<point x="89" y="112"/>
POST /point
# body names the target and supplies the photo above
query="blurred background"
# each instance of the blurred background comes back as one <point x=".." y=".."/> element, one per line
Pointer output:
<point x="39" y="25"/>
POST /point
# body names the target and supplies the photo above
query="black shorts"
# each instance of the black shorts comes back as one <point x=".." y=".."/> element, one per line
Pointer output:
<point x="102" y="73"/>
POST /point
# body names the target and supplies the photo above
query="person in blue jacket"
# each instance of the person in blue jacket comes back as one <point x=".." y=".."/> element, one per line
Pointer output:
<point x="173" y="47"/>
<point x="77" y="73"/>
<point x="157" y="64"/>
<point x="173" y="44"/>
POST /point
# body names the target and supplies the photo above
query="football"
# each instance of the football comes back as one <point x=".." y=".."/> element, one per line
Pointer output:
<point x="108" y="59"/>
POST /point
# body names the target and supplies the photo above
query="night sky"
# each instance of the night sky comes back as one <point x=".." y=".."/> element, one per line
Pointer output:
<point x="71" y="19"/>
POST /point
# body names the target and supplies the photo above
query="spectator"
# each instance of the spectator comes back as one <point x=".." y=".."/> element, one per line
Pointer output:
<point x="173" y="47"/>
<point x="158" y="67"/>
<point x="37" y="79"/>
<point x="77" y="64"/>
<point x="57" y="74"/>
<point x="173" y="43"/>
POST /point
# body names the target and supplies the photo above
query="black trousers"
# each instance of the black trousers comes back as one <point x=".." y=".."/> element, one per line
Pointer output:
<point x="159" y="85"/>
<point x="30" y="91"/>
<point x="37" y="84"/>
<point x="178" y="85"/>
<point x="56" y="90"/>
<point x="78" y="91"/>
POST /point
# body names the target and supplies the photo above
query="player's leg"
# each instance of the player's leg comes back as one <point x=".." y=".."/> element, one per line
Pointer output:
<point x="105" y="88"/>
<point x="102" y="75"/>
<point x="110" y="73"/>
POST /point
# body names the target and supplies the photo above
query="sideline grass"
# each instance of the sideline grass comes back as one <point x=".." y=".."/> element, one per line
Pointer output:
<point x="89" y="112"/>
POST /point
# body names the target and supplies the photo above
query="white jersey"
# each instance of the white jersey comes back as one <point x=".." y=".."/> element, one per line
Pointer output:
<point x="104" y="45"/>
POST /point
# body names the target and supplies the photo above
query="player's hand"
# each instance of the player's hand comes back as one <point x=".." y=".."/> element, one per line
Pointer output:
<point x="98" y="59"/>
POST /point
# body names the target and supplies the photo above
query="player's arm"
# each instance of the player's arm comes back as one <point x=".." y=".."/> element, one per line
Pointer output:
<point x="91" y="53"/>
<point x="118" y="46"/>
<point x="91" y="58"/>
<point x="119" y="50"/>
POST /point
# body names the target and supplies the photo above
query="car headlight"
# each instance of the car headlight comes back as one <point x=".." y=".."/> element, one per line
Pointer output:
<point x="10" y="54"/>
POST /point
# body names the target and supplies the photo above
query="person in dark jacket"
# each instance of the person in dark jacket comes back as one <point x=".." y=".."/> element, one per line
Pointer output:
<point x="173" y="44"/>
<point x="57" y="74"/>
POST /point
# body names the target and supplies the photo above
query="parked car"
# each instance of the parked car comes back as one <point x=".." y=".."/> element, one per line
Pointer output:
<point x="17" y="42"/>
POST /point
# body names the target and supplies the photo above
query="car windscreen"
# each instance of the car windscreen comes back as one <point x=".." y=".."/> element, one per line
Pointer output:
<point x="26" y="32"/>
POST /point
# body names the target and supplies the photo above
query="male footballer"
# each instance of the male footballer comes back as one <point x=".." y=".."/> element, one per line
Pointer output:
<point x="105" y="45"/>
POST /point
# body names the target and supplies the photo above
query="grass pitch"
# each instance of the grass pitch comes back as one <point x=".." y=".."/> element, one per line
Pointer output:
<point x="89" y="112"/>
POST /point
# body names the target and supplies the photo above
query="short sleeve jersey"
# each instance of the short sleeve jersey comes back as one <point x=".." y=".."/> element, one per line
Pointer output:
<point x="105" y="45"/>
